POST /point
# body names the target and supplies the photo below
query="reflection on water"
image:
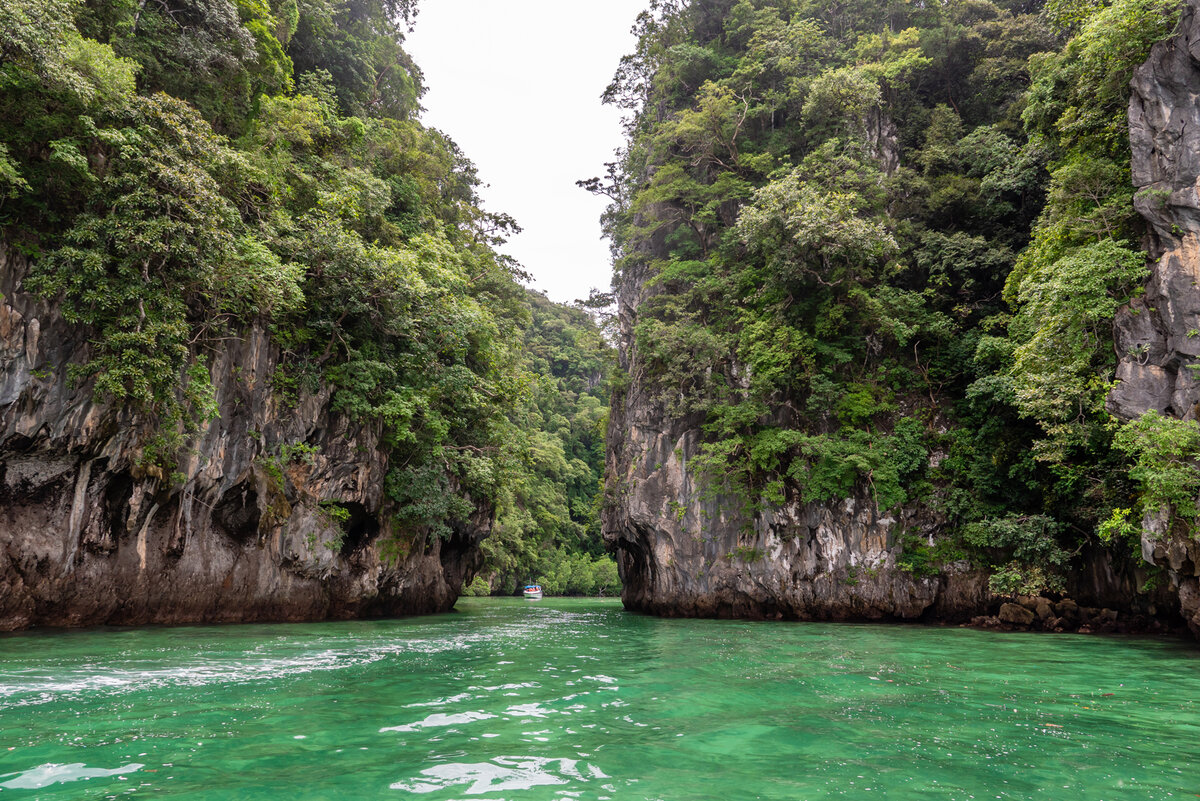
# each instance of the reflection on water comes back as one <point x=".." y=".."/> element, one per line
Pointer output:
<point x="502" y="773"/>
<point x="508" y="701"/>
<point x="46" y="775"/>
<point x="440" y="720"/>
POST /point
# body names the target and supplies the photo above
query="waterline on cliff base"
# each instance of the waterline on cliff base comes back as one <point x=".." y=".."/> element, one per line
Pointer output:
<point x="579" y="699"/>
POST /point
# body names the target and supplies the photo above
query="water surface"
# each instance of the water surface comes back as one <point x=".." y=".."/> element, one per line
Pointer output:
<point x="561" y="699"/>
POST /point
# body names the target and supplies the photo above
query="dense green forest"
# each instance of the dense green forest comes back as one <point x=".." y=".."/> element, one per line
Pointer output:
<point x="180" y="170"/>
<point x="881" y="245"/>
<point x="548" y="527"/>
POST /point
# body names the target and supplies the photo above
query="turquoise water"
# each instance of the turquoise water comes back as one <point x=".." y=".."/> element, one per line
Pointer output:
<point x="559" y="699"/>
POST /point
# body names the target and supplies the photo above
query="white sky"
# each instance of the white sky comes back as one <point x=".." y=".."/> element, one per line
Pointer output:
<point x="517" y="85"/>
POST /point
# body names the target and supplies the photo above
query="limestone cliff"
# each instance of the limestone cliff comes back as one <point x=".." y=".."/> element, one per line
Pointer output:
<point x="685" y="551"/>
<point x="1158" y="335"/>
<point x="277" y="512"/>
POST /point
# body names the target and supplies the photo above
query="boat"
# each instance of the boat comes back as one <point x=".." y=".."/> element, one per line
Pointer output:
<point x="533" y="592"/>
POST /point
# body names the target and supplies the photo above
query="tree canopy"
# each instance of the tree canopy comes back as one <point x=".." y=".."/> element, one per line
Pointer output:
<point x="182" y="170"/>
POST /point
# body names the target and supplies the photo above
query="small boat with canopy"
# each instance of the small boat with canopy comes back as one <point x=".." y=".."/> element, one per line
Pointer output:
<point x="533" y="592"/>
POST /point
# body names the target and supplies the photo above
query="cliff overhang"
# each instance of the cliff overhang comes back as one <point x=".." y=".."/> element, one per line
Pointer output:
<point x="275" y="511"/>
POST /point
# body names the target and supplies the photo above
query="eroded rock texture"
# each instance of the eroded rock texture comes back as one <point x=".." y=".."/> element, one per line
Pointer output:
<point x="684" y="552"/>
<point x="1158" y="335"/>
<point x="89" y="534"/>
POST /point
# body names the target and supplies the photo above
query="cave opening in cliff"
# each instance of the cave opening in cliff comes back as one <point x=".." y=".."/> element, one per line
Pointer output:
<point x="360" y="529"/>
<point x="116" y="502"/>
<point x="237" y="514"/>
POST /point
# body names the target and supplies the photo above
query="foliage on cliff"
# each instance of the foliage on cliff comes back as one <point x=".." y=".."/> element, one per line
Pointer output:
<point x="882" y="246"/>
<point x="1084" y="262"/>
<point x="182" y="169"/>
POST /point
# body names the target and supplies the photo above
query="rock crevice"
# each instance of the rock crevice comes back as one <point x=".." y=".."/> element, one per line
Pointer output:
<point x="1158" y="334"/>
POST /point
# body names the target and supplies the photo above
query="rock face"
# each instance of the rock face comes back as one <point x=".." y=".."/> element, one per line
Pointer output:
<point x="1158" y="335"/>
<point x="684" y="552"/>
<point x="91" y="534"/>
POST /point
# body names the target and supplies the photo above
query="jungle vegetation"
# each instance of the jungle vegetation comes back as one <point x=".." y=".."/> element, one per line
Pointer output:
<point x="880" y="246"/>
<point x="881" y="242"/>
<point x="180" y="170"/>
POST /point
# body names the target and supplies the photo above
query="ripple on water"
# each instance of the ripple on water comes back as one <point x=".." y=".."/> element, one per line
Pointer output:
<point x="440" y="719"/>
<point x="508" y="701"/>
<point x="502" y="773"/>
<point x="52" y="773"/>
<point x="32" y="686"/>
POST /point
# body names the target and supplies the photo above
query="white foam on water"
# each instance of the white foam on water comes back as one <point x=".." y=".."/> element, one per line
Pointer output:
<point x="534" y="710"/>
<point x="24" y="687"/>
<point x="602" y="679"/>
<point x="440" y="719"/>
<point x="447" y="701"/>
<point x="500" y="774"/>
<point x="61" y="773"/>
<point x="521" y="686"/>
